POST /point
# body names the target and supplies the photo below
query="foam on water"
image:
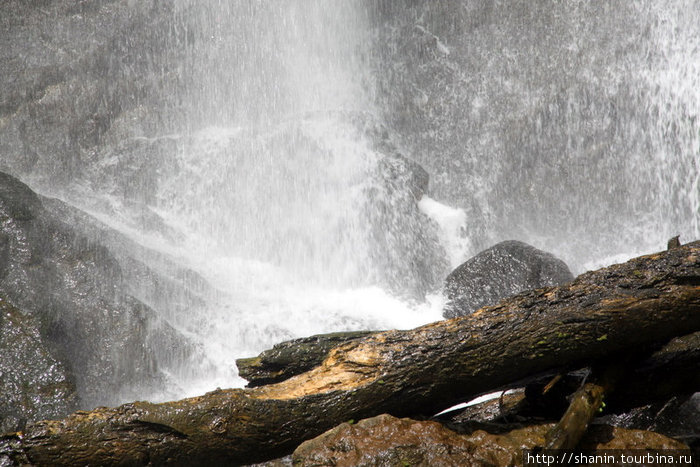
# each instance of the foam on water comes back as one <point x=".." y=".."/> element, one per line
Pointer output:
<point x="273" y="219"/>
<point x="257" y="310"/>
<point x="258" y="305"/>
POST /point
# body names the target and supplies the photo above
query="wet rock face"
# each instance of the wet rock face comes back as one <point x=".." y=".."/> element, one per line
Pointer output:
<point x="487" y="144"/>
<point x="33" y="384"/>
<point x="501" y="271"/>
<point x="71" y="71"/>
<point x="72" y="287"/>
<point x="388" y="441"/>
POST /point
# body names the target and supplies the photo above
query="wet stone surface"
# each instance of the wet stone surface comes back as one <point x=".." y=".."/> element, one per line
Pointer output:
<point x="73" y="289"/>
<point x="503" y="270"/>
<point x="33" y="384"/>
<point x="388" y="441"/>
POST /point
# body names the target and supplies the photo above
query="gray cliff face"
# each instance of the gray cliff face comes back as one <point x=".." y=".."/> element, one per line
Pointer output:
<point x="545" y="122"/>
<point x="74" y="75"/>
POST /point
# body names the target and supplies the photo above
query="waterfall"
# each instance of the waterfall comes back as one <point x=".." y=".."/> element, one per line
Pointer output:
<point x="273" y="157"/>
<point x="572" y="126"/>
<point x="272" y="177"/>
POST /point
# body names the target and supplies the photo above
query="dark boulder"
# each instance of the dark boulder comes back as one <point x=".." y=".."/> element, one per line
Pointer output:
<point x="74" y="289"/>
<point x="33" y="384"/>
<point x="501" y="271"/>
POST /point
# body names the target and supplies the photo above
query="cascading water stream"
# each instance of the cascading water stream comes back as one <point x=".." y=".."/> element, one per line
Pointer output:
<point x="571" y="126"/>
<point x="268" y="151"/>
<point x="278" y="188"/>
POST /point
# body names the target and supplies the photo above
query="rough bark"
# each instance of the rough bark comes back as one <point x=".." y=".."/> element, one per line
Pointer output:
<point x="633" y="306"/>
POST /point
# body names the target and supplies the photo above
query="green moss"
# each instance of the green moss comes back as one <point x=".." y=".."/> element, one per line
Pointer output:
<point x="602" y="338"/>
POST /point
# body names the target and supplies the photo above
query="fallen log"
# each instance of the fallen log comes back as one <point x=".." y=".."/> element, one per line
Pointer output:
<point x="622" y="308"/>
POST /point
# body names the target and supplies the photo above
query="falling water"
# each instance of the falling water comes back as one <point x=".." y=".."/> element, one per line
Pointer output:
<point x="277" y="183"/>
<point x="569" y="125"/>
<point x="268" y="148"/>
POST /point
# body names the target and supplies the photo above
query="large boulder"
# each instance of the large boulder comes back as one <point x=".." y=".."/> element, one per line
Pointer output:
<point x="34" y="385"/>
<point x="73" y="288"/>
<point x="501" y="271"/>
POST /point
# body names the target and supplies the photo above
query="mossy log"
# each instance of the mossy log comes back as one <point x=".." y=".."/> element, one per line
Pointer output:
<point x="628" y="307"/>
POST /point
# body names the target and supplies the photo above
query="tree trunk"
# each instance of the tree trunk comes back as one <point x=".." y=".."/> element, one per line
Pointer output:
<point x="630" y="307"/>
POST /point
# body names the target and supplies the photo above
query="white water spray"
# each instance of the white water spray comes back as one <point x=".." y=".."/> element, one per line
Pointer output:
<point x="256" y="152"/>
<point x="280" y="191"/>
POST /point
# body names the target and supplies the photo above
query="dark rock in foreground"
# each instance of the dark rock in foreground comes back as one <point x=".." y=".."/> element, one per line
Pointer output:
<point x="501" y="271"/>
<point x="293" y="357"/>
<point x="33" y="384"/>
<point x="678" y="417"/>
<point x="389" y="441"/>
